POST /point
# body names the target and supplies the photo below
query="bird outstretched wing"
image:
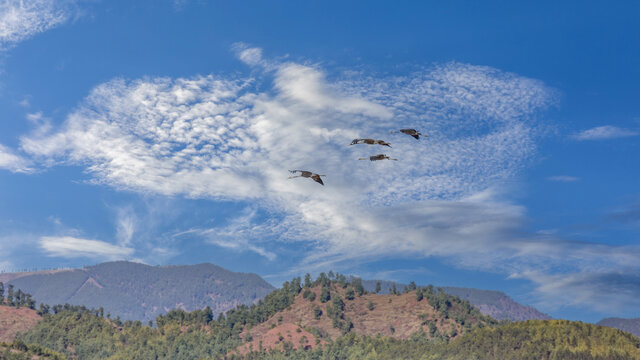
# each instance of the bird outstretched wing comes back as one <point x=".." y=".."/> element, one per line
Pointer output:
<point x="317" y="179"/>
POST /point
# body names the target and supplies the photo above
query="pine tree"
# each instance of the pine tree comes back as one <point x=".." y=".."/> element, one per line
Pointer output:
<point x="10" y="295"/>
<point x="307" y="280"/>
<point x="1" y="293"/>
<point x="357" y="286"/>
<point x="349" y="294"/>
<point x="325" y="295"/>
<point x="378" y="287"/>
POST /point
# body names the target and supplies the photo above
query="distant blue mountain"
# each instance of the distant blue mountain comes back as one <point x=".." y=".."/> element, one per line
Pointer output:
<point x="628" y="325"/>
<point x="136" y="291"/>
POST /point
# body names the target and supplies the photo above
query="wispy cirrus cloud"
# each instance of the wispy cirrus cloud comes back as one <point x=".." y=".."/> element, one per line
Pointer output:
<point x="563" y="178"/>
<point x="22" y="19"/>
<point x="604" y="133"/>
<point x="74" y="247"/>
<point x="222" y="138"/>
<point x="242" y="233"/>
<point x="607" y="292"/>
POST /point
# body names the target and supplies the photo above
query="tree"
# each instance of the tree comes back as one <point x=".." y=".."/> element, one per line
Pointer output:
<point x="307" y="280"/>
<point x="317" y="312"/>
<point x="342" y="280"/>
<point x="412" y="286"/>
<point x="349" y="294"/>
<point x="325" y="295"/>
<point x="419" y="295"/>
<point x="394" y="290"/>
<point x="1" y="293"/>
<point x="378" y="287"/>
<point x="357" y="286"/>
<point x="19" y="298"/>
<point x="10" y="295"/>
<point x="370" y="305"/>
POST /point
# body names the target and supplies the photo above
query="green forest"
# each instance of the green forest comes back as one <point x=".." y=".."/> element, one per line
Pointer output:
<point x="82" y="333"/>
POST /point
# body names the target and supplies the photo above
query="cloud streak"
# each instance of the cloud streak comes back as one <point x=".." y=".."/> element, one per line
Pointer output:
<point x="604" y="133"/>
<point x="73" y="247"/>
<point x="563" y="178"/>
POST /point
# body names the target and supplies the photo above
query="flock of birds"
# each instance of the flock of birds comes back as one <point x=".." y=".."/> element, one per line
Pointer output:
<point x="318" y="178"/>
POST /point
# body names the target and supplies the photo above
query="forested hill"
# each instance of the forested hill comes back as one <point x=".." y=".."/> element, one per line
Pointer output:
<point x="628" y="325"/>
<point x="493" y="303"/>
<point x="328" y="318"/>
<point x="136" y="291"/>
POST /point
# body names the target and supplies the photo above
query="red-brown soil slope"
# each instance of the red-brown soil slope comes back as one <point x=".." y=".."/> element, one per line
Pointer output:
<point x="397" y="316"/>
<point x="13" y="321"/>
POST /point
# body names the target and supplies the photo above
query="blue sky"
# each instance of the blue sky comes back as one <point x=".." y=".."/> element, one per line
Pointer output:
<point x="162" y="132"/>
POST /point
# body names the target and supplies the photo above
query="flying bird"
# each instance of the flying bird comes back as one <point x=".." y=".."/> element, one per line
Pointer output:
<point x="378" y="157"/>
<point x="411" y="132"/>
<point x="307" y="174"/>
<point x="370" y="142"/>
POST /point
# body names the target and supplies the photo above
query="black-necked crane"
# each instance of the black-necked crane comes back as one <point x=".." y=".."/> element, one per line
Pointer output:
<point x="307" y="174"/>
<point x="370" y="142"/>
<point x="377" y="157"/>
<point x="410" y="132"/>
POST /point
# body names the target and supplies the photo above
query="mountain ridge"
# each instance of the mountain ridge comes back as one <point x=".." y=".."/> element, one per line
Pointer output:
<point x="628" y="325"/>
<point x="137" y="291"/>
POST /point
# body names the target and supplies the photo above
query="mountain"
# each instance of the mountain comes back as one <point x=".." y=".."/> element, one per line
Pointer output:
<point x="330" y="319"/>
<point x="628" y="325"/>
<point x="497" y="304"/>
<point x="136" y="291"/>
<point x="493" y="303"/>
<point x="293" y="317"/>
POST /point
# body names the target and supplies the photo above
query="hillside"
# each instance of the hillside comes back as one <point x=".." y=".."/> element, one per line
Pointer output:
<point x="16" y="320"/>
<point x="294" y="317"/>
<point x="141" y="292"/>
<point x="492" y="303"/>
<point x="293" y="323"/>
<point x="543" y="339"/>
<point x="628" y="325"/>
<point x="419" y="311"/>
<point x="20" y="351"/>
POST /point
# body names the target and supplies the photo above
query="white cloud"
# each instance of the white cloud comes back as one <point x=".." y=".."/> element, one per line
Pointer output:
<point x="13" y="162"/>
<point x="72" y="247"/>
<point x="222" y="138"/>
<point x="125" y="225"/>
<point x="241" y="234"/>
<point x="604" y="133"/>
<point x="22" y="19"/>
<point x="563" y="178"/>
<point x="611" y="293"/>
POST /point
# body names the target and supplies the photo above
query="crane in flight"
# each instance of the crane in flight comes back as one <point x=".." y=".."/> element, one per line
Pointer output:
<point x="370" y="142"/>
<point x="410" y="132"/>
<point x="378" y="157"/>
<point x="307" y="174"/>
